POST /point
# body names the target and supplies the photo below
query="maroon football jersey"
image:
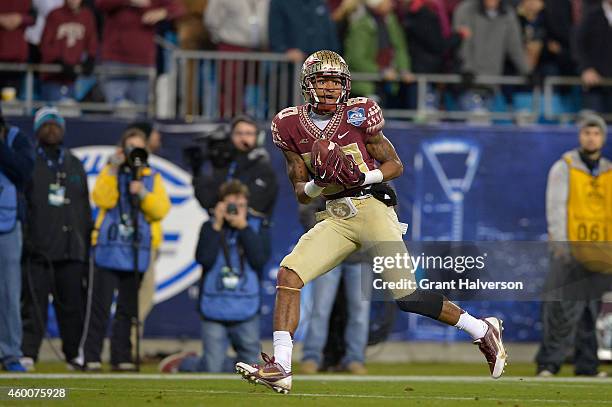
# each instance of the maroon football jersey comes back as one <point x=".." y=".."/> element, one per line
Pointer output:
<point x="350" y="127"/>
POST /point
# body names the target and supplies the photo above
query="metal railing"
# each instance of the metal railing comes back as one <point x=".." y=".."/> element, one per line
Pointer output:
<point x="563" y="81"/>
<point x="219" y="85"/>
<point x="212" y="85"/>
<point x="427" y="113"/>
<point x="29" y="103"/>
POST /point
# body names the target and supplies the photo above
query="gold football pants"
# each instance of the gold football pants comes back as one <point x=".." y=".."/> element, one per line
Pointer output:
<point x="375" y="229"/>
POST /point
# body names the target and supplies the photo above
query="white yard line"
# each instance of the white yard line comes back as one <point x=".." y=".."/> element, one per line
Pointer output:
<point x="355" y="396"/>
<point x="316" y="377"/>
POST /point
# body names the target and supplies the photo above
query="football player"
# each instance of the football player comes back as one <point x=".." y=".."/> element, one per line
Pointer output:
<point x="334" y="146"/>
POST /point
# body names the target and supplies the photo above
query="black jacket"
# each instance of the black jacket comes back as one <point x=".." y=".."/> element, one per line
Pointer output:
<point x="256" y="246"/>
<point x="593" y="37"/>
<point x="58" y="232"/>
<point x="252" y="169"/>
<point x="429" y="50"/>
<point x="17" y="163"/>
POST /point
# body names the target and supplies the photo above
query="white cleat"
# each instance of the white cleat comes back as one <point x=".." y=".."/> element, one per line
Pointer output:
<point x="492" y="346"/>
<point x="271" y="374"/>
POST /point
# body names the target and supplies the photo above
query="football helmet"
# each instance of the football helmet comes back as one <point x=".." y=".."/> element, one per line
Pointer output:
<point x="324" y="63"/>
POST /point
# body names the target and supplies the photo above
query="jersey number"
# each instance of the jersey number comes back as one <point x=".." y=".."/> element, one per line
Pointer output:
<point x="594" y="233"/>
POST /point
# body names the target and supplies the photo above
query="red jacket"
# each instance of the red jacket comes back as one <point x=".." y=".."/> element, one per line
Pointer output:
<point x="126" y="39"/>
<point x="68" y="36"/>
<point x="13" y="46"/>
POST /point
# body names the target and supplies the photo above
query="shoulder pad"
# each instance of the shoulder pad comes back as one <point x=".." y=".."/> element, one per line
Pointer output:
<point x="367" y="114"/>
<point x="281" y="121"/>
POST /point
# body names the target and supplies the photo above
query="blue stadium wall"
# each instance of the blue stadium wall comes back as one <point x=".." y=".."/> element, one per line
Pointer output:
<point x="499" y="172"/>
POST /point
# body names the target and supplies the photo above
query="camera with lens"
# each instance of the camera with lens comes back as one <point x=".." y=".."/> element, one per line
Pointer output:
<point x="136" y="157"/>
<point x="215" y="147"/>
<point x="231" y="209"/>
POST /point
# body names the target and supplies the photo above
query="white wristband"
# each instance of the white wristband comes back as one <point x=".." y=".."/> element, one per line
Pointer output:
<point x="312" y="190"/>
<point x="373" y="177"/>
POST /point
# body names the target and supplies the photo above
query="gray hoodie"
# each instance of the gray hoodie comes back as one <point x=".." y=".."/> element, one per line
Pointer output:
<point x="493" y="37"/>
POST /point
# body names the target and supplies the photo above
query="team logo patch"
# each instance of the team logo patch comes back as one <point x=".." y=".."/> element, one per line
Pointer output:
<point x="356" y="116"/>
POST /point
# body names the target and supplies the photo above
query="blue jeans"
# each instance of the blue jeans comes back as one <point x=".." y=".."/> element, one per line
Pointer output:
<point x="120" y="88"/>
<point x="358" y="304"/>
<point x="243" y="336"/>
<point x="10" y="293"/>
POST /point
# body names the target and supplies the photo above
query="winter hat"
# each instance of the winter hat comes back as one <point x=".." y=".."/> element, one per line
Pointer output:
<point x="48" y="114"/>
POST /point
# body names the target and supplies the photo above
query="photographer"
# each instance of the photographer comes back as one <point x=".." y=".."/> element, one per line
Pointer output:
<point x="233" y="248"/>
<point x="130" y="197"/>
<point x="146" y="293"/>
<point x="16" y="164"/>
<point x="238" y="158"/>
<point x="57" y="239"/>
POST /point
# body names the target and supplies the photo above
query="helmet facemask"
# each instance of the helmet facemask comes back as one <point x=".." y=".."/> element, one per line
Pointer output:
<point x="325" y="64"/>
<point x="318" y="100"/>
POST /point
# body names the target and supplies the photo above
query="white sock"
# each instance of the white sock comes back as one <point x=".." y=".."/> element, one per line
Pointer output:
<point x="283" y="346"/>
<point x="477" y="328"/>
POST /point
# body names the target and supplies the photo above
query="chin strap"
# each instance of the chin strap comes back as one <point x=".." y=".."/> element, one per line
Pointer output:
<point x="282" y="287"/>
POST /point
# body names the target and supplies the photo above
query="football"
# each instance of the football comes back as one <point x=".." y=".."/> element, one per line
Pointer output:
<point x="326" y="160"/>
<point x="321" y="149"/>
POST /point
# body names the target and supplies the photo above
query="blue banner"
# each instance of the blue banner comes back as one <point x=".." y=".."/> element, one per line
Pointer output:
<point x="459" y="183"/>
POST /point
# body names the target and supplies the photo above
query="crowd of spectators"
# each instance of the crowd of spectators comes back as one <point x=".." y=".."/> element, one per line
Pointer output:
<point x="395" y="38"/>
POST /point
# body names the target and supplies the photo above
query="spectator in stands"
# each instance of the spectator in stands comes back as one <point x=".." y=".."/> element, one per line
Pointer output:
<point x="340" y="11"/>
<point x="241" y="159"/>
<point x="57" y="240"/>
<point x="577" y="210"/>
<point x="432" y="44"/>
<point x="495" y="35"/>
<point x="16" y="164"/>
<point x="531" y="19"/>
<point x="128" y="42"/>
<point x="375" y="43"/>
<point x="70" y="38"/>
<point x="233" y="248"/>
<point x="192" y="35"/>
<point x="594" y="36"/>
<point x="237" y="26"/>
<point x="33" y="33"/>
<point x="300" y="27"/>
<point x="560" y="19"/>
<point x="428" y="44"/>
<point x="128" y="193"/>
<point x="14" y="18"/>
<point x="324" y="291"/>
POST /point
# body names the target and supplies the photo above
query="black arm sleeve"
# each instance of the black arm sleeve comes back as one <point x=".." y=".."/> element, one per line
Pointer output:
<point x="263" y="197"/>
<point x="582" y="50"/>
<point x="206" y="189"/>
<point x="208" y="246"/>
<point x="256" y="246"/>
<point x="17" y="163"/>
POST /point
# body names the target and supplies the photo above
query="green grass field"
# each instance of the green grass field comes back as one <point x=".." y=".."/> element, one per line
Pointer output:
<point x="387" y="385"/>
